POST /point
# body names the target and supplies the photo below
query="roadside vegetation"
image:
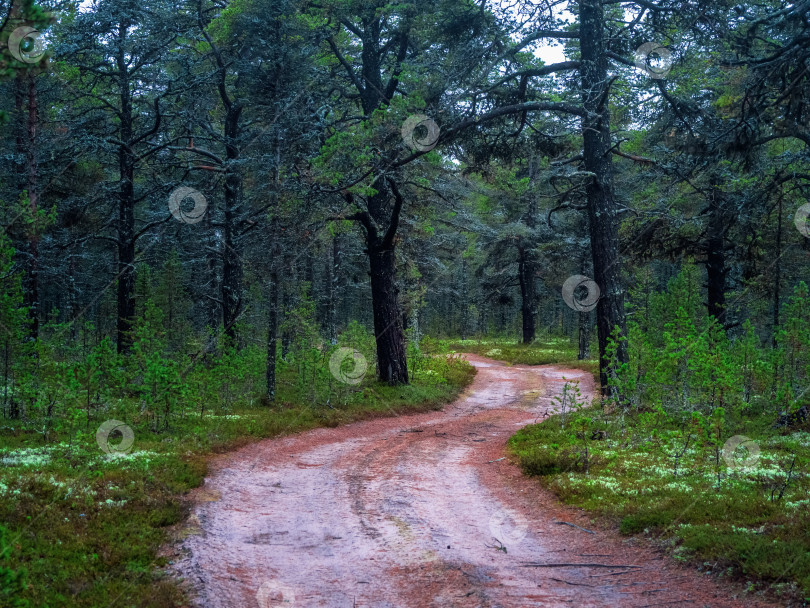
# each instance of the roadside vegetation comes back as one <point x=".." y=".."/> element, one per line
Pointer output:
<point x="704" y="447"/>
<point x="83" y="517"/>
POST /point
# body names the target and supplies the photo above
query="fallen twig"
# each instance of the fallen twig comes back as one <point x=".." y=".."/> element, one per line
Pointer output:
<point x="559" y="580"/>
<point x="610" y="574"/>
<point x="574" y="526"/>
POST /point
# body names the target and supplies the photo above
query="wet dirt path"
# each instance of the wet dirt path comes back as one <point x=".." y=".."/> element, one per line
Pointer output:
<point x="405" y="512"/>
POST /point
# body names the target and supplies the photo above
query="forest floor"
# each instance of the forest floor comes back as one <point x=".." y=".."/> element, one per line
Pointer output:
<point x="419" y="510"/>
<point x="81" y="528"/>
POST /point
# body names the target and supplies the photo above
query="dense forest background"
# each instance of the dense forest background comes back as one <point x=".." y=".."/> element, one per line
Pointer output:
<point x="211" y="204"/>
<point x="240" y="170"/>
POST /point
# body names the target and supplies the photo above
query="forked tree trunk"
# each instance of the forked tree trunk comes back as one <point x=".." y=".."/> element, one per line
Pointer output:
<point x="392" y="364"/>
<point x="602" y="211"/>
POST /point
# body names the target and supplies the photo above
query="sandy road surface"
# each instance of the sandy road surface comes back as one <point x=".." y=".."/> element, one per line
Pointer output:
<point x="403" y="512"/>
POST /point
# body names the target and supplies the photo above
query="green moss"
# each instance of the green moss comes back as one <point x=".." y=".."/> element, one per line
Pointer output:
<point x="708" y="514"/>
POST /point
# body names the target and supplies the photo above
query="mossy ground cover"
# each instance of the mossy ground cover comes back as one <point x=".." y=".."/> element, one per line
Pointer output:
<point x="744" y="516"/>
<point x="83" y="528"/>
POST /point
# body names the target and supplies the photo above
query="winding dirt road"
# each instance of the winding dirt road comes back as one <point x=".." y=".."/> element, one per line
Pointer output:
<point x="405" y="512"/>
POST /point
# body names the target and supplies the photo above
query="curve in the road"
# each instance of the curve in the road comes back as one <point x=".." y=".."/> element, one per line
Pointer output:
<point x="416" y="511"/>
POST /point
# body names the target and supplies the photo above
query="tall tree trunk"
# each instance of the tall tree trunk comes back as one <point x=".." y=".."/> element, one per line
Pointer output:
<point x="392" y="365"/>
<point x="602" y="212"/>
<point x="584" y="336"/>
<point x="373" y="94"/>
<point x="213" y="305"/>
<point x="72" y="295"/>
<point x="288" y="302"/>
<point x="526" y="277"/>
<point x="777" y="271"/>
<point x="333" y="277"/>
<point x="465" y="305"/>
<point x="716" y="269"/>
<point x="27" y="171"/>
<point x="585" y="324"/>
<point x="126" y="205"/>
<point x="272" y="331"/>
<point x="32" y="276"/>
<point x="232" y="256"/>
<point x="232" y="270"/>
<point x="231" y="294"/>
<point x="274" y="295"/>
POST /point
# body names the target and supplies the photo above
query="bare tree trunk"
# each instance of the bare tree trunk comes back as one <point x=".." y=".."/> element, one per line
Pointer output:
<point x="391" y="359"/>
<point x="232" y="254"/>
<point x="392" y="365"/>
<point x="526" y="277"/>
<point x="716" y="269"/>
<point x="602" y="211"/>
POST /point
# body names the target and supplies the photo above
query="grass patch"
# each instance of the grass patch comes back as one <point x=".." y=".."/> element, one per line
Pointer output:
<point x="81" y="528"/>
<point x="724" y="517"/>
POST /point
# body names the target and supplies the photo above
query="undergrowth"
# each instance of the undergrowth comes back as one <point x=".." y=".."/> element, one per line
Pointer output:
<point x="82" y="524"/>
<point x="704" y="444"/>
<point x="749" y="522"/>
